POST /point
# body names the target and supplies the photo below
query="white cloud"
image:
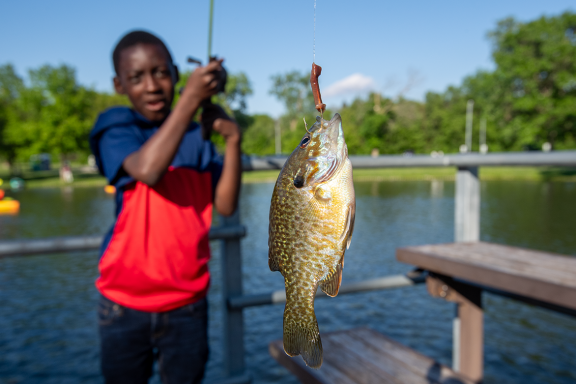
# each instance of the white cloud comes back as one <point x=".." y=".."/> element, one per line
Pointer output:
<point x="352" y="84"/>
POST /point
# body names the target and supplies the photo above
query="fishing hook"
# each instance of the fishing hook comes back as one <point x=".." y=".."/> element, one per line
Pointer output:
<point x="306" y="125"/>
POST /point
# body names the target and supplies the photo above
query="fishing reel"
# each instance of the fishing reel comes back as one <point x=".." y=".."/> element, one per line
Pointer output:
<point x="221" y="75"/>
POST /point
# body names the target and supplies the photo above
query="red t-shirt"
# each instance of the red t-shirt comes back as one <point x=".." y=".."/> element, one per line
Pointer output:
<point x="154" y="258"/>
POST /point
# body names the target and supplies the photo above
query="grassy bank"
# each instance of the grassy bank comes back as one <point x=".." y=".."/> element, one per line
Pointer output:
<point x="79" y="181"/>
<point x="50" y="179"/>
<point x="444" y="173"/>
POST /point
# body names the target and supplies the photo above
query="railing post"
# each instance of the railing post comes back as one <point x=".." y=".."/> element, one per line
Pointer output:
<point x="467" y="205"/>
<point x="233" y="322"/>
<point x="467" y="327"/>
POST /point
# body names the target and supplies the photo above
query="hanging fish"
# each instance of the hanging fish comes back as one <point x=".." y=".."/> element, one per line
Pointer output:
<point x="311" y="224"/>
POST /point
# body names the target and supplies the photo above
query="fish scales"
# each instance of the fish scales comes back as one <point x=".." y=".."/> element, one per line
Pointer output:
<point x="311" y="224"/>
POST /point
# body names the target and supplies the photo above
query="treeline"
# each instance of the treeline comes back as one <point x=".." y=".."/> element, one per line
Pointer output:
<point x="529" y="99"/>
<point x="48" y="113"/>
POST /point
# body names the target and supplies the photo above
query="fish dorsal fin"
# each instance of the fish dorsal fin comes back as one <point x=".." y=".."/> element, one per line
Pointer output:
<point x="331" y="284"/>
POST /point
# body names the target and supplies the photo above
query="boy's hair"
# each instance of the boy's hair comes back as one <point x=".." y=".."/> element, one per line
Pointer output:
<point x="134" y="38"/>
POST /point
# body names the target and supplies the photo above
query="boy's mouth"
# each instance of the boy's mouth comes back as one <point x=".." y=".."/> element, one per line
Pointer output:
<point x="156" y="105"/>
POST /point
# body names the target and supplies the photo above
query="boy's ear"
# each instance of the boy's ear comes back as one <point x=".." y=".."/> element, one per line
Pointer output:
<point x="118" y="86"/>
<point x="176" y="75"/>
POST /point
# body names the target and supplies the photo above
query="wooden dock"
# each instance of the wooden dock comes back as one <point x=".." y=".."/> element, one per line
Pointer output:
<point x="458" y="272"/>
<point x="364" y="356"/>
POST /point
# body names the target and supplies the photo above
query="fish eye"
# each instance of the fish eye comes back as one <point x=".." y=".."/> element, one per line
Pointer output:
<point x="299" y="181"/>
<point x="305" y="141"/>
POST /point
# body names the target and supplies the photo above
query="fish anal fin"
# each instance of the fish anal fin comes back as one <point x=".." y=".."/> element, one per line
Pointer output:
<point x="273" y="262"/>
<point x="331" y="284"/>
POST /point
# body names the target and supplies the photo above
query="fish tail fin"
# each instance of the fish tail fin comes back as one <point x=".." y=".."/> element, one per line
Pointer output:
<point x="302" y="337"/>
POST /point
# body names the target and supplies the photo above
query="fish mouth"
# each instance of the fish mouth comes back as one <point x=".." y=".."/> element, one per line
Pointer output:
<point x="334" y="127"/>
<point x="328" y="164"/>
<point x="335" y="118"/>
<point x="336" y="137"/>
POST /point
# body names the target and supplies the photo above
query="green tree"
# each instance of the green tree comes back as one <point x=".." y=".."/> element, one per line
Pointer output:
<point x="536" y="68"/>
<point x="66" y="115"/>
<point x="11" y="87"/>
<point x="293" y="89"/>
<point x="258" y="138"/>
<point x="54" y="114"/>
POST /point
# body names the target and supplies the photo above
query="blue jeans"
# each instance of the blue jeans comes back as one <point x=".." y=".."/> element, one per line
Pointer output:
<point x="131" y="340"/>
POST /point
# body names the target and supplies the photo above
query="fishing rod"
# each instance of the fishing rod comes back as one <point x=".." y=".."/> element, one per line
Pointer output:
<point x="221" y="75"/>
<point x="210" y="29"/>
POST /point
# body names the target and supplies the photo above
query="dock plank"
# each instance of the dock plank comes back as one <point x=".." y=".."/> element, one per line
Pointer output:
<point x="540" y="275"/>
<point x="364" y="356"/>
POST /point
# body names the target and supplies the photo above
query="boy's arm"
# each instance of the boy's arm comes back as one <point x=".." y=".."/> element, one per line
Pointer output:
<point x="228" y="187"/>
<point x="151" y="161"/>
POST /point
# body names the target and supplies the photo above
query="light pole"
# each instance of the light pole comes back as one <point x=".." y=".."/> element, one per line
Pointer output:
<point x="467" y="147"/>
<point x="278" y="137"/>
<point x="483" y="146"/>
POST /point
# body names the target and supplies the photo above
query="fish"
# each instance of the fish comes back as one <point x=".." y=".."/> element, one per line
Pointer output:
<point x="312" y="216"/>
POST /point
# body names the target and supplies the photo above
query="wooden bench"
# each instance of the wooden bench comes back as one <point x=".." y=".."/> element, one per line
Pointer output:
<point x="459" y="272"/>
<point x="533" y="274"/>
<point x="365" y="356"/>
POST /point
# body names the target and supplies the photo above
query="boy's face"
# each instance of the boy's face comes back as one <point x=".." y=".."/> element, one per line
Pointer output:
<point x="147" y="77"/>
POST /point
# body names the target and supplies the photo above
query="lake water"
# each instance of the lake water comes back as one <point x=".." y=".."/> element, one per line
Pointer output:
<point x="48" y="327"/>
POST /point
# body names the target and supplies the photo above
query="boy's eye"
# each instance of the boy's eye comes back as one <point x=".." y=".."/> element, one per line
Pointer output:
<point x="161" y="73"/>
<point x="134" y="79"/>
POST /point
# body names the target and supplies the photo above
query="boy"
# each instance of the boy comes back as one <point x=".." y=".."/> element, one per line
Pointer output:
<point x="153" y="267"/>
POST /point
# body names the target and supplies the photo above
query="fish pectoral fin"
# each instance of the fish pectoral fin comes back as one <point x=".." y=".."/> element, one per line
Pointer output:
<point x="331" y="284"/>
<point x="349" y="228"/>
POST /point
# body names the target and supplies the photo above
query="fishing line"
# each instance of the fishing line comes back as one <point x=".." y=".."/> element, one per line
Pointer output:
<point x="314" y="45"/>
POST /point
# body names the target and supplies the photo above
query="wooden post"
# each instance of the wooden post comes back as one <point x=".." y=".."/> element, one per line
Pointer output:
<point x="233" y="322"/>
<point x="467" y="327"/>
<point x="471" y="333"/>
<point x="468" y="324"/>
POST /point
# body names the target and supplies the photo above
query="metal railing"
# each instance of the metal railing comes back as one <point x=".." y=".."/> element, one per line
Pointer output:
<point x="556" y="159"/>
<point x="467" y="228"/>
<point x="26" y="247"/>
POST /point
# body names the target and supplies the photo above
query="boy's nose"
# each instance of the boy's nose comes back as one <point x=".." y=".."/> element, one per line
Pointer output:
<point x="151" y="83"/>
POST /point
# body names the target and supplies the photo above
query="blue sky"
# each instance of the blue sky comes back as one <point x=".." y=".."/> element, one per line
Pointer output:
<point x="361" y="45"/>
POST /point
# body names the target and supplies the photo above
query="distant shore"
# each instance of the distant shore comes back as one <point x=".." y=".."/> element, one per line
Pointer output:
<point x="444" y="173"/>
<point x="49" y="179"/>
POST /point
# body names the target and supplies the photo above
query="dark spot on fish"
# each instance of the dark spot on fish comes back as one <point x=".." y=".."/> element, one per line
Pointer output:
<point x="299" y="181"/>
<point x="304" y="142"/>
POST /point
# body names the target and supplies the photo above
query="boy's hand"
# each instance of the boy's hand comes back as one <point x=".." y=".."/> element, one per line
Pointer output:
<point x="202" y="83"/>
<point x="215" y="118"/>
